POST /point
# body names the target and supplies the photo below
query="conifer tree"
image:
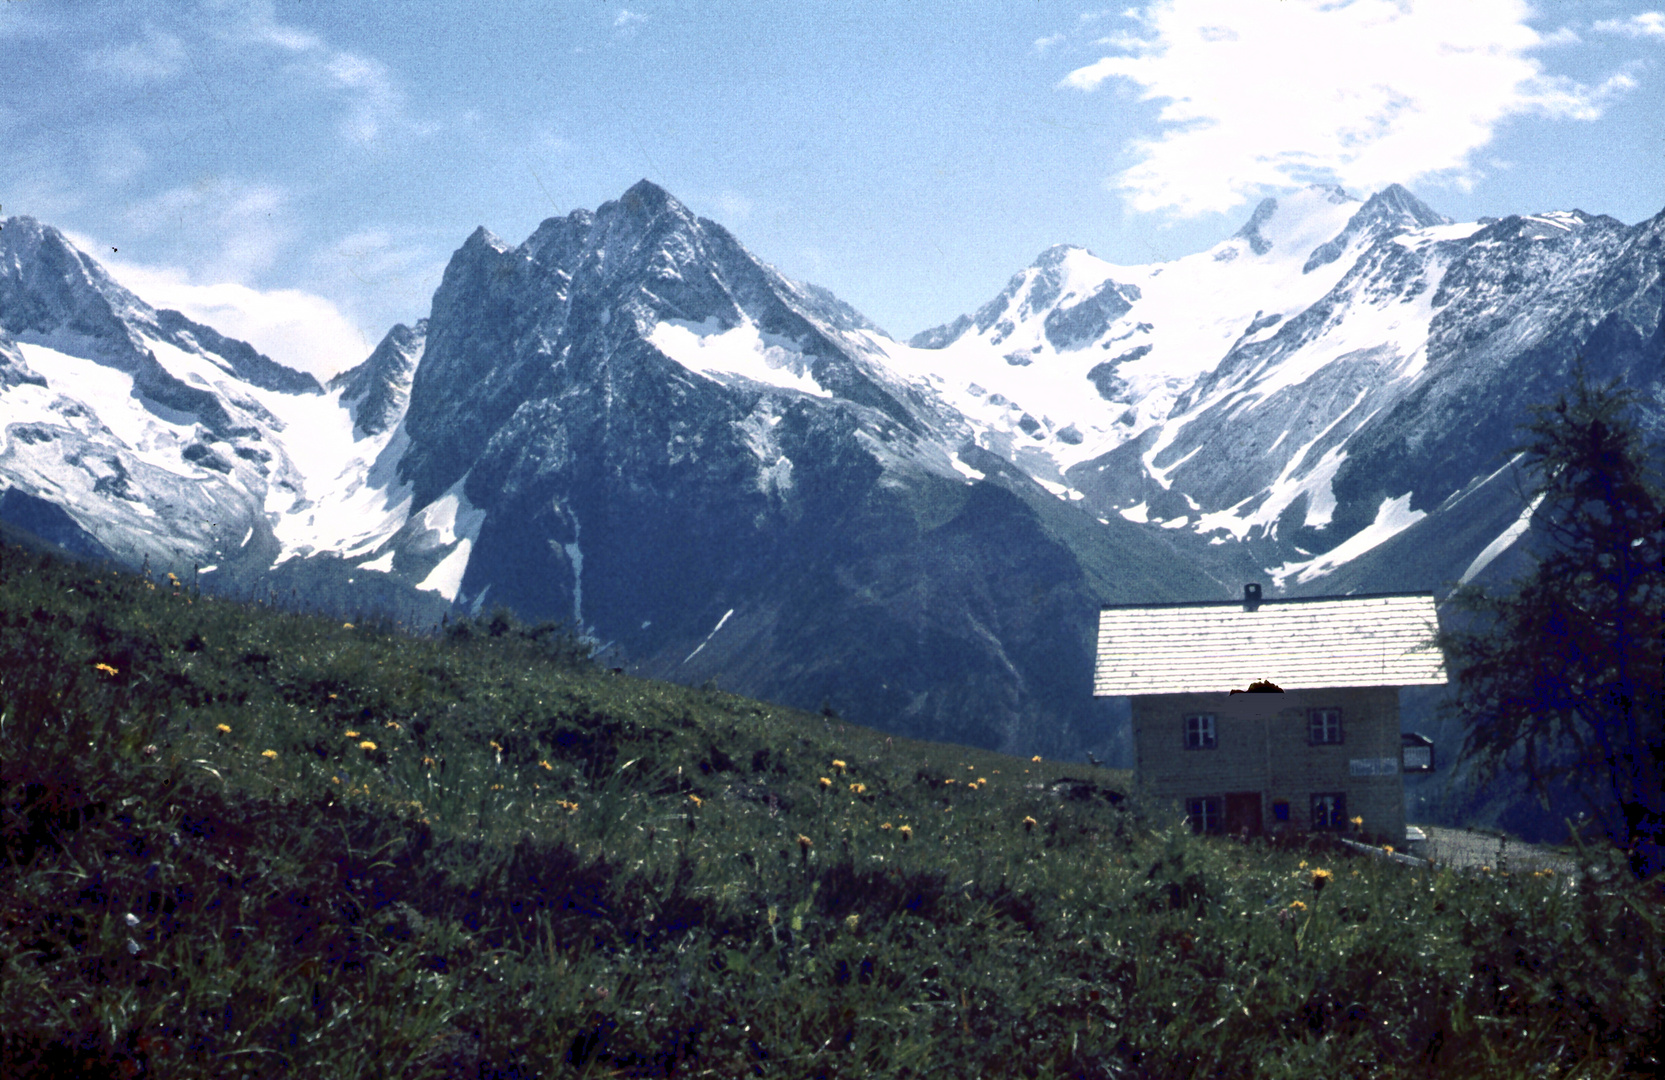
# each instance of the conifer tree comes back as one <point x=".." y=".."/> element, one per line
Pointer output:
<point x="1559" y="675"/>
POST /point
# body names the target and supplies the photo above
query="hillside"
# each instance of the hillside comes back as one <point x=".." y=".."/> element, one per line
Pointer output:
<point x="238" y="840"/>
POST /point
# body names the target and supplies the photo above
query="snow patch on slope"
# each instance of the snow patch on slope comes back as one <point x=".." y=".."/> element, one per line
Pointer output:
<point x="1393" y="517"/>
<point x="1504" y="541"/>
<point x="449" y="520"/>
<point x="709" y="348"/>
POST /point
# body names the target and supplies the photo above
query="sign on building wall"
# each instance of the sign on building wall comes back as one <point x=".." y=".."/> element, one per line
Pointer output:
<point x="1369" y="766"/>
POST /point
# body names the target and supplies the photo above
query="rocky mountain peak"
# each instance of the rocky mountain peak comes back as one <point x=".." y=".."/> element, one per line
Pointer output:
<point x="1389" y="212"/>
<point x="50" y="288"/>
<point x="376" y="390"/>
<point x="1056" y="255"/>
<point x="1299" y="218"/>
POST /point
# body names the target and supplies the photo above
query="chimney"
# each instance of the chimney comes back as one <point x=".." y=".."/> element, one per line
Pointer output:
<point x="1251" y="596"/>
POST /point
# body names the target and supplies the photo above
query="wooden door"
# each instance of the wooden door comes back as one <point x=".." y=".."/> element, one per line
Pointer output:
<point x="1243" y="813"/>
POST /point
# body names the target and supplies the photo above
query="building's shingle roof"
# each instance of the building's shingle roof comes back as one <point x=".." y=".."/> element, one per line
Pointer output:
<point x="1381" y="640"/>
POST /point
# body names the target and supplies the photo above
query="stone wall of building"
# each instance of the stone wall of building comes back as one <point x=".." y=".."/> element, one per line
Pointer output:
<point x="1263" y="746"/>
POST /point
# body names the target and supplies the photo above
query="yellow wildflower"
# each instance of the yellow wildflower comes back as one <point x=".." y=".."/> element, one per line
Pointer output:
<point x="495" y="745"/>
<point x="223" y="729"/>
<point x="981" y="780"/>
<point x="1029" y="823"/>
<point x="429" y="761"/>
<point x="839" y="765"/>
<point x="858" y="789"/>
<point x="1320" y="878"/>
<point x="696" y="800"/>
<point x="907" y="832"/>
<point x="825" y="783"/>
<point x="1036" y="758"/>
<point x="346" y="626"/>
<point x="366" y="745"/>
<point x="1358" y="821"/>
<point x="546" y="765"/>
<point x="1388" y="848"/>
<point x="886" y="827"/>
<point x="1297" y="905"/>
<point x="269" y="754"/>
<point x="805" y="843"/>
<point x="352" y="734"/>
<point x="105" y="668"/>
<point x="950" y="780"/>
<point x="1303" y="864"/>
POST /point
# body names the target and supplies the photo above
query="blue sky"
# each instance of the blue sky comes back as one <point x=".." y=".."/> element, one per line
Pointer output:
<point x="297" y="172"/>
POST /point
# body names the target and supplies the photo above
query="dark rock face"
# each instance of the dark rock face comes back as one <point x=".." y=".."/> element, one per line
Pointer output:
<point x="49" y="521"/>
<point x="775" y="540"/>
<point x="1082" y="324"/>
<point x="378" y="390"/>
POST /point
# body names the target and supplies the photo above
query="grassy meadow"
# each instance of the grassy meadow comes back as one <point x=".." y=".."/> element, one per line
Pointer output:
<point x="244" y="842"/>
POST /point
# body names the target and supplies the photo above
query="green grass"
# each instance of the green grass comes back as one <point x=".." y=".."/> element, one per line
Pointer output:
<point x="545" y="869"/>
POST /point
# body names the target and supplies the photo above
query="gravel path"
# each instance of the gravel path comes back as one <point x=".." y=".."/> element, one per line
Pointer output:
<point x="1462" y="848"/>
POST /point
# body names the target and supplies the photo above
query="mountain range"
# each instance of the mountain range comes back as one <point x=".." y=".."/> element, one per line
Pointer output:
<point x="630" y="423"/>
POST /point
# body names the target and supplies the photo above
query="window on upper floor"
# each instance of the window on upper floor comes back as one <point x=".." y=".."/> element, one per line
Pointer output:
<point x="1199" y="731"/>
<point x="1323" y="726"/>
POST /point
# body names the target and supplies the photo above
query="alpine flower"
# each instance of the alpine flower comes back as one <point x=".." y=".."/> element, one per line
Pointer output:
<point x="269" y="754"/>
<point x="105" y="668"/>
<point x="366" y="745"/>
<point x="223" y="729"/>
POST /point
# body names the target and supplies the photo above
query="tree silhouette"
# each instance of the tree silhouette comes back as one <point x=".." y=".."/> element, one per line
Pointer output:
<point x="1559" y="676"/>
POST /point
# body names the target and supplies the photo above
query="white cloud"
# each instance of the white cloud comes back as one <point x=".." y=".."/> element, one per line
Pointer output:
<point x="1043" y="44"/>
<point x="373" y="96"/>
<point x="627" y="19"/>
<point x="114" y="155"/>
<point x="378" y="272"/>
<point x="234" y="229"/>
<point x="157" y="57"/>
<point x="293" y="327"/>
<point x="735" y="207"/>
<point x="1649" y="24"/>
<point x="1361" y="92"/>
